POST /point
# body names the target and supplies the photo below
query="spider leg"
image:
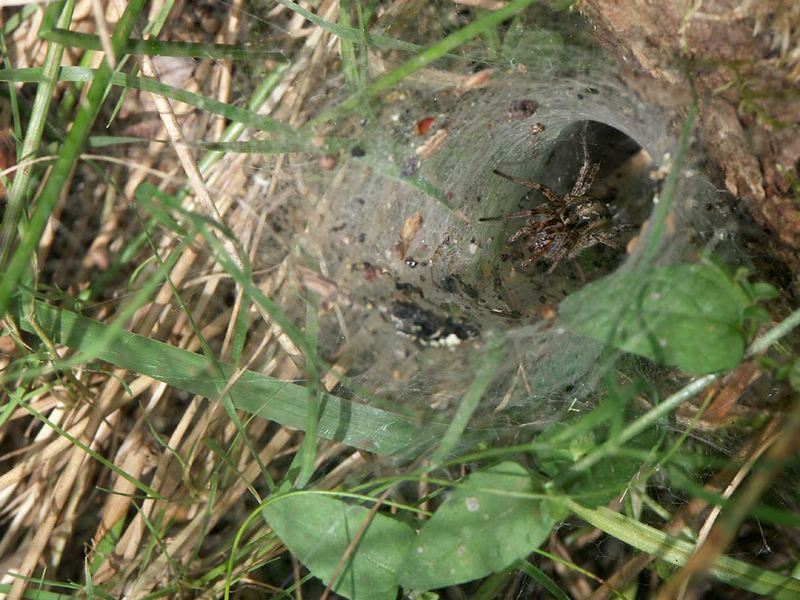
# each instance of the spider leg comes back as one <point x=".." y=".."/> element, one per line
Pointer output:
<point x="607" y="238"/>
<point x="560" y="249"/>
<point x="523" y="213"/>
<point x="588" y="170"/>
<point x="585" y="178"/>
<point x="533" y="228"/>
<point x="533" y="258"/>
<point x="551" y="196"/>
<point x="591" y="237"/>
<point x="518" y="234"/>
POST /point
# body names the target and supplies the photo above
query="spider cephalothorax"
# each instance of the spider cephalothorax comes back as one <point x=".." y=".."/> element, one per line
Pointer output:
<point x="565" y="225"/>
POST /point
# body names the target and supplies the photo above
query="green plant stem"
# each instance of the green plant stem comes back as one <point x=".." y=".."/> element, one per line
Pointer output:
<point x="659" y="219"/>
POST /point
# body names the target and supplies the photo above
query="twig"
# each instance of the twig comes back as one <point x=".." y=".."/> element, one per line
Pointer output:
<point x="351" y="548"/>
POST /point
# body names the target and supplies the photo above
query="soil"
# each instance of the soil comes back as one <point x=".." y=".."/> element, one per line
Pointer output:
<point x="743" y="59"/>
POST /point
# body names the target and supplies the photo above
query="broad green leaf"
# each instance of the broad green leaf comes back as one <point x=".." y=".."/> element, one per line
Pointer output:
<point x="483" y="527"/>
<point x="318" y="529"/>
<point x="688" y="315"/>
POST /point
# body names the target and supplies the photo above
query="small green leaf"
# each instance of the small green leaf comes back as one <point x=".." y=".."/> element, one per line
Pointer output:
<point x="764" y="291"/>
<point x="483" y="527"/>
<point x="318" y="529"/>
<point x="688" y="315"/>
<point x="756" y="314"/>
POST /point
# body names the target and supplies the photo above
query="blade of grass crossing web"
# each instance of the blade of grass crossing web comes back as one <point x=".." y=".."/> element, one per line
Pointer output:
<point x="351" y="34"/>
<point x="352" y="423"/>
<point x="33" y="136"/>
<point x="424" y="58"/>
<point x="236" y="129"/>
<point x="73" y="144"/>
<point x="658" y="221"/>
<point x="483" y="377"/>
<point x="348" y="51"/>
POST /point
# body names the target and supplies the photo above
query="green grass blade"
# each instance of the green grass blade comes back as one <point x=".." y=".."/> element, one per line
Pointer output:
<point x="74" y="39"/>
<point x="483" y="377"/>
<point x="351" y="34"/>
<point x="424" y="58"/>
<point x="658" y="221"/>
<point x="236" y="129"/>
<point x="677" y="552"/>
<point x="352" y="423"/>
<point x="33" y="137"/>
<point x="73" y="144"/>
<point x="307" y="455"/>
<point x="15" y="20"/>
<point x="349" y="66"/>
<point x="542" y="579"/>
<point x="232" y="113"/>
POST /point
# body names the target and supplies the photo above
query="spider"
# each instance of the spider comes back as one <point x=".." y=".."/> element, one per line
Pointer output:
<point x="565" y="225"/>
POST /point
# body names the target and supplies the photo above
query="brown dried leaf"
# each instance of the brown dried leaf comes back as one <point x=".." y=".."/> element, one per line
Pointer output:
<point x="411" y="227"/>
<point x="408" y="232"/>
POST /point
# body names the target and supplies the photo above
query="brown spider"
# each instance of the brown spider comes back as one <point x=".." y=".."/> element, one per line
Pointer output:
<point x="565" y="225"/>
